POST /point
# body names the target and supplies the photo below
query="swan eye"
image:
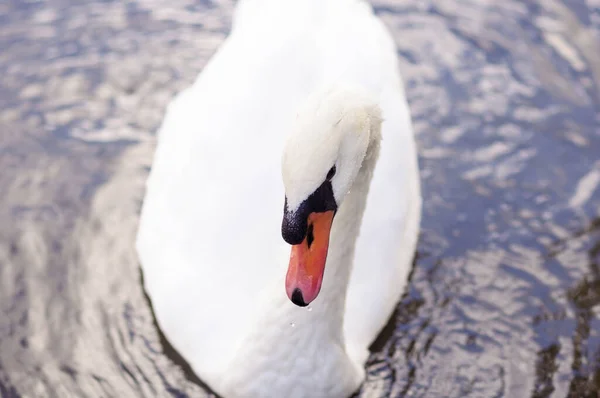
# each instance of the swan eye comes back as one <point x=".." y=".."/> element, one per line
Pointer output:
<point x="331" y="173"/>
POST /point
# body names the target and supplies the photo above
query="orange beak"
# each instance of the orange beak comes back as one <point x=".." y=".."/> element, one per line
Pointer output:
<point x="307" y="260"/>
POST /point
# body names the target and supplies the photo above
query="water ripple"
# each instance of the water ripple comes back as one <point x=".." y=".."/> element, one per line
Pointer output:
<point x="503" y="299"/>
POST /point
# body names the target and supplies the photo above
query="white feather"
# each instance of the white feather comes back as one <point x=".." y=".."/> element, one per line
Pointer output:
<point x="277" y="103"/>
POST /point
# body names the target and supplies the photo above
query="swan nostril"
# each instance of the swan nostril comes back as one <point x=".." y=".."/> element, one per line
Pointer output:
<point x="298" y="299"/>
<point x="310" y="237"/>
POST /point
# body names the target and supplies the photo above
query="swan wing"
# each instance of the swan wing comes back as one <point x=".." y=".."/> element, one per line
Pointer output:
<point x="209" y="239"/>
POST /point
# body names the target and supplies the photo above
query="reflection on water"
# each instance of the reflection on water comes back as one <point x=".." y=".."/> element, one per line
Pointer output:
<point x="504" y="298"/>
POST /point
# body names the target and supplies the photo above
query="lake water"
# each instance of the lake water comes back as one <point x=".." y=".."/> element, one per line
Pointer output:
<point x="504" y="299"/>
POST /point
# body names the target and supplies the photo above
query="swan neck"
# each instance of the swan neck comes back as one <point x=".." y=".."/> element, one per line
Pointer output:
<point x="320" y="327"/>
<point x="344" y="233"/>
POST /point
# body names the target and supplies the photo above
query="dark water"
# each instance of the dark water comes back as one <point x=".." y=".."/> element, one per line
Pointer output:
<point x="504" y="299"/>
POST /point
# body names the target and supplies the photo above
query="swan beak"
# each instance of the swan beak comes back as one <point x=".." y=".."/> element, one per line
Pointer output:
<point x="307" y="260"/>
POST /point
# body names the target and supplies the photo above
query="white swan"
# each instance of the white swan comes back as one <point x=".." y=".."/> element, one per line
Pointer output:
<point x="309" y="82"/>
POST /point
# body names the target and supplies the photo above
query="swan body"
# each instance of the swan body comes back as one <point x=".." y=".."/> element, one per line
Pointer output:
<point x="297" y="88"/>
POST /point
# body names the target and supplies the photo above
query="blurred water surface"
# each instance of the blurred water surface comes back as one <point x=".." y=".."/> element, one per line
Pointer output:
<point x="504" y="299"/>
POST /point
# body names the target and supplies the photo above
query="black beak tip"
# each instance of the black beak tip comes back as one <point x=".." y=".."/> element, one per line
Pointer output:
<point x="298" y="299"/>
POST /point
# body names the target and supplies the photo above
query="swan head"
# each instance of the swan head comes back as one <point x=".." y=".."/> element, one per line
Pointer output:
<point x="323" y="155"/>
